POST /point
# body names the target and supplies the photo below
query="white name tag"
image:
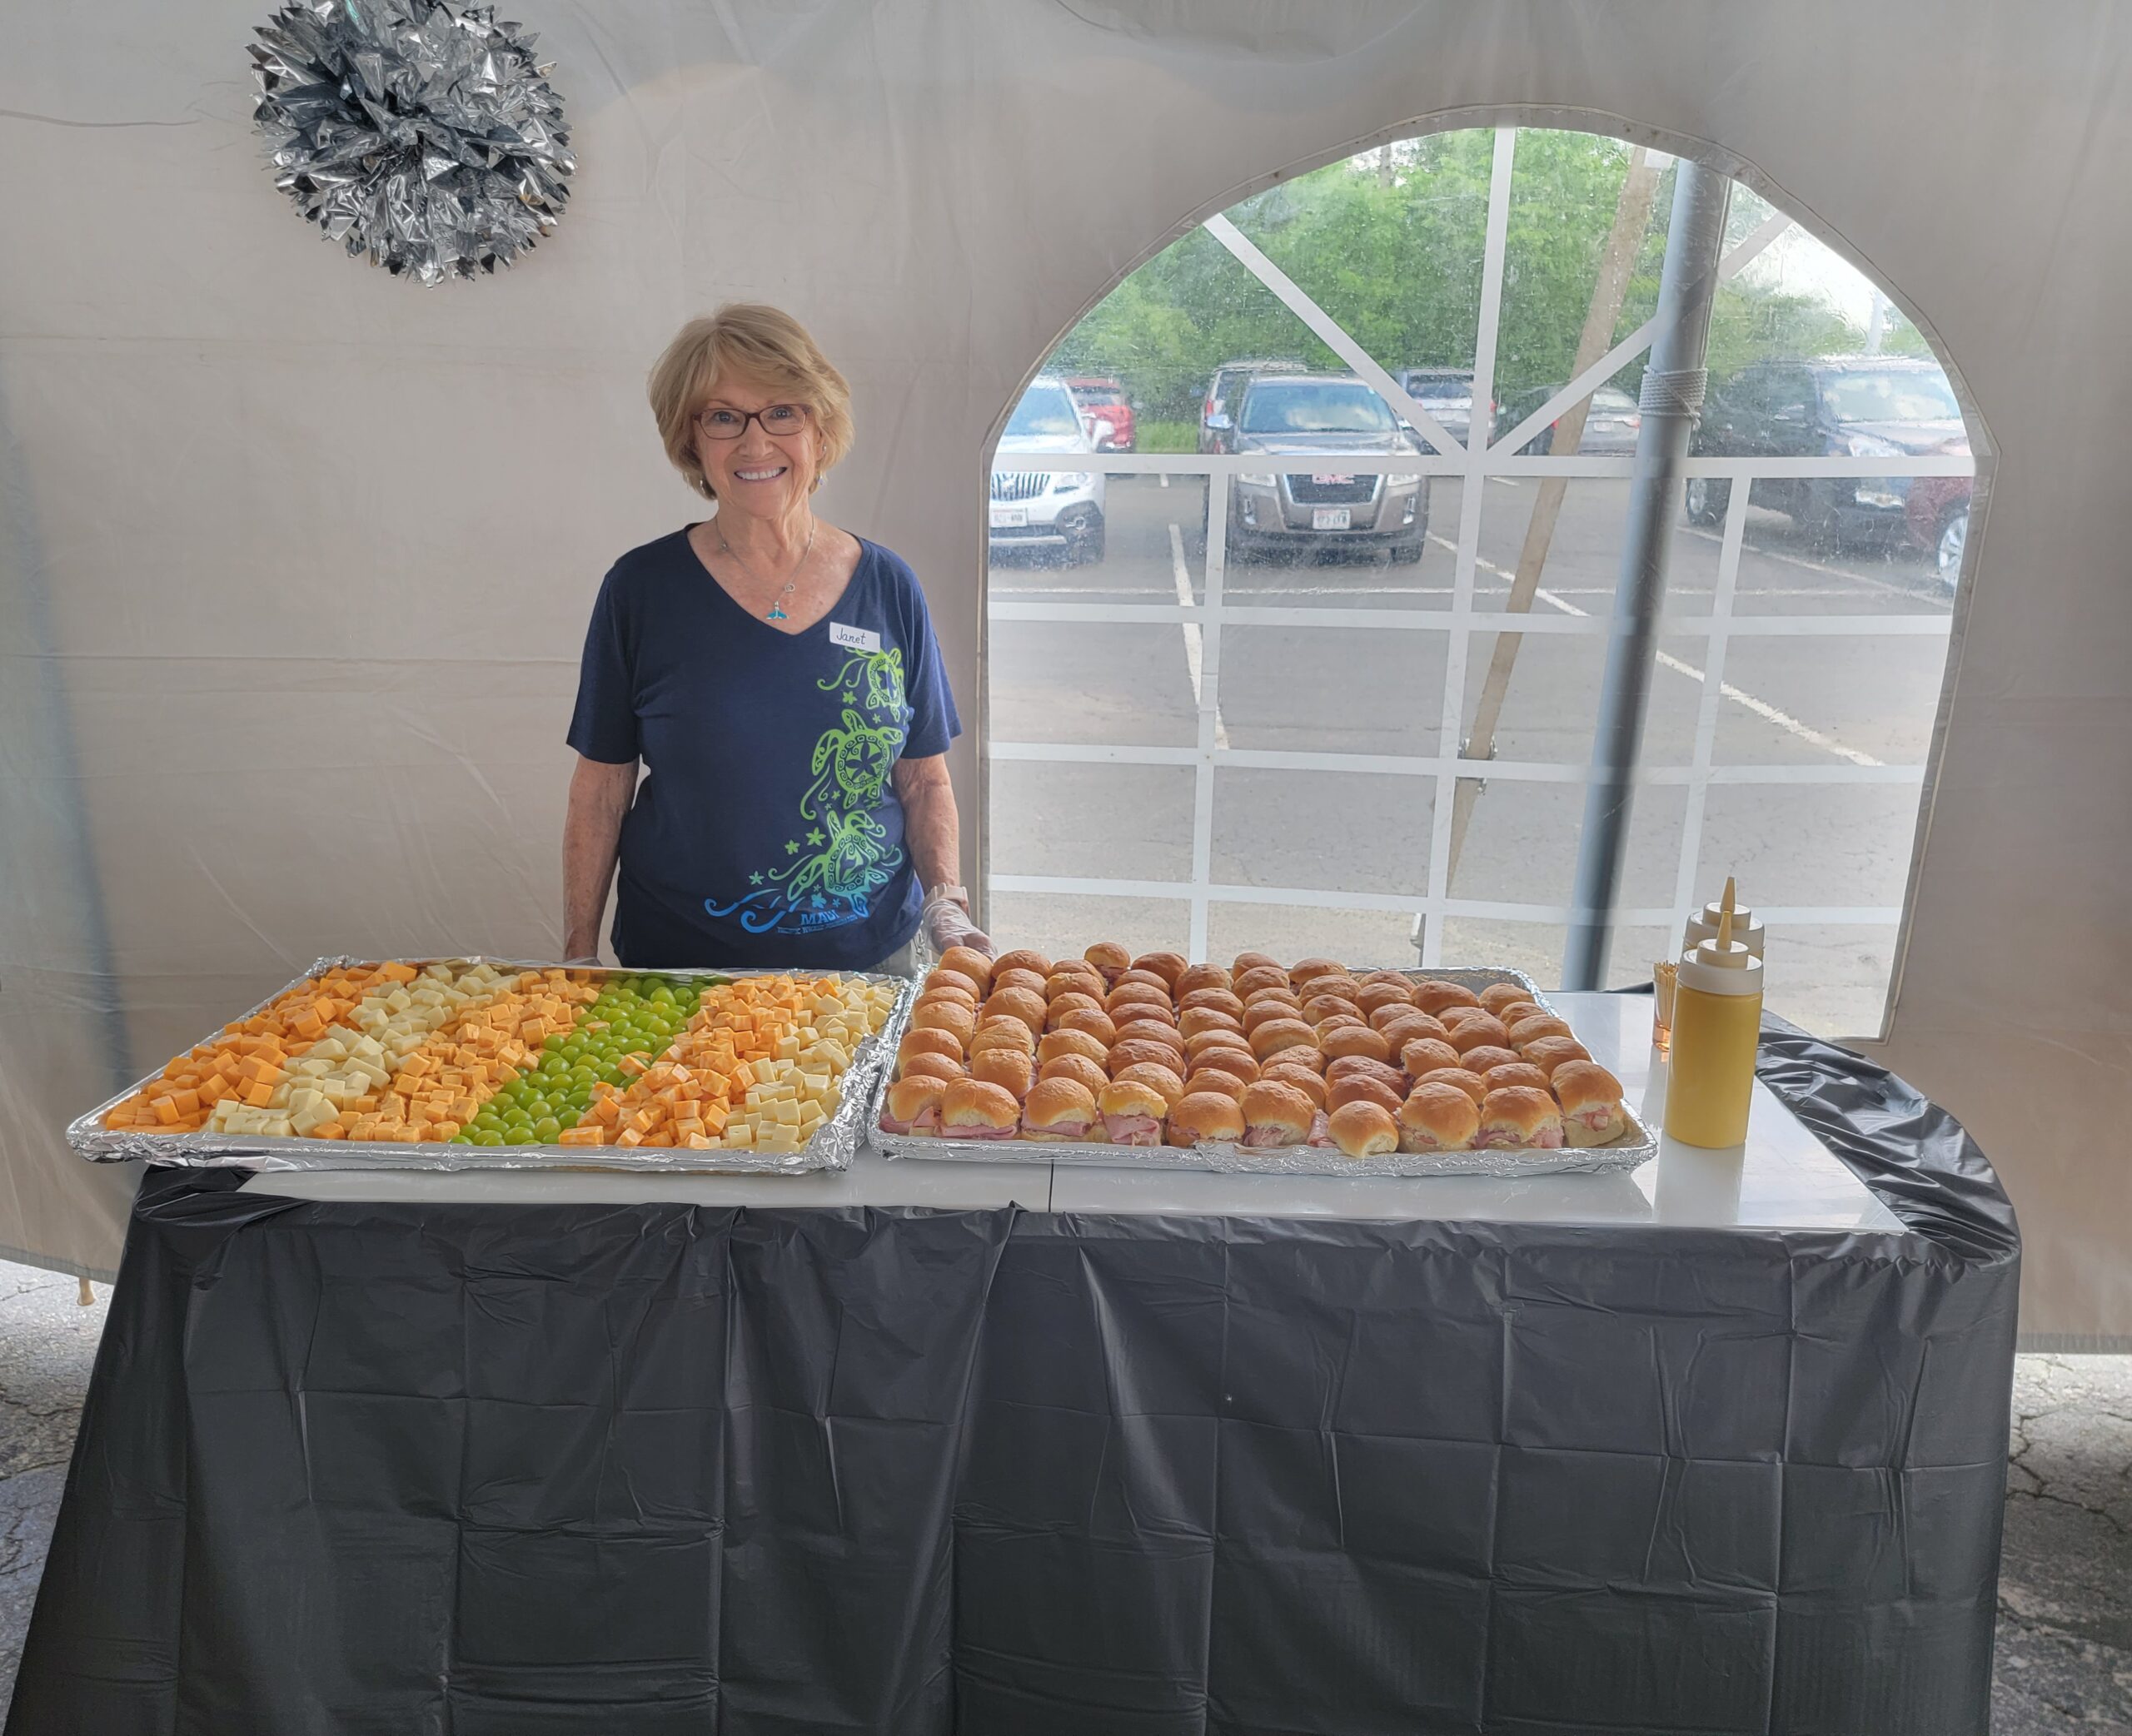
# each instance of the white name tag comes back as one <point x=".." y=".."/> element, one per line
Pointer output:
<point x="856" y="639"/>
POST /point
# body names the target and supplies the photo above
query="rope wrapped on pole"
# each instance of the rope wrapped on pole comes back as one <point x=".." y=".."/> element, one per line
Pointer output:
<point x="1671" y="401"/>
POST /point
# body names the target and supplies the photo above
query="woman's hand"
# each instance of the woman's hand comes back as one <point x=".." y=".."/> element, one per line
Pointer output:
<point x="946" y="922"/>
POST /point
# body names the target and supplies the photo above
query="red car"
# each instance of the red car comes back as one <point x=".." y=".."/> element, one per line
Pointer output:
<point x="1104" y="401"/>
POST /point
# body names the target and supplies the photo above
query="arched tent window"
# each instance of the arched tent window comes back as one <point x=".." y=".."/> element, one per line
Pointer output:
<point x="1351" y="709"/>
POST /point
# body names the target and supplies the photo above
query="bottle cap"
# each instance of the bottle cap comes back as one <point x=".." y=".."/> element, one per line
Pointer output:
<point x="1703" y="925"/>
<point x="1722" y="965"/>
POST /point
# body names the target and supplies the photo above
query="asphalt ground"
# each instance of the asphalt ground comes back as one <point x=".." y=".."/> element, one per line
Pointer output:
<point x="1794" y="700"/>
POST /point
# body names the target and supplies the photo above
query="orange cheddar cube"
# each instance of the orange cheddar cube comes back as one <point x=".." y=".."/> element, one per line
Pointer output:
<point x="259" y="1094"/>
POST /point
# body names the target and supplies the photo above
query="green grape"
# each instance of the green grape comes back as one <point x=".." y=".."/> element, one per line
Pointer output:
<point x="485" y="1122"/>
<point x="573" y="1050"/>
<point x="537" y="1108"/>
<point x="517" y="1116"/>
<point x="554" y="1067"/>
<point x="552" y="1043"/>
<point x="580" y="1074"/>
<point x="491" y="1137"/>
<point x="546" y="1130"/>
<point x="519" y="1136"/>
<point x="568" y="1119"/>
<point x="662" y="996"/>
<point x="462" y="1139"/>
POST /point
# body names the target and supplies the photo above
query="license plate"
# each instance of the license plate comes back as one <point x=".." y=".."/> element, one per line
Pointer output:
<point x="1009" y="518"/>
<point x="1329" y="481"/>
<point x="1331" y="517"/>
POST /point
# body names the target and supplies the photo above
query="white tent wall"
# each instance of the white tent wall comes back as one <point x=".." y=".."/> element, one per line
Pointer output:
<point x="295" y="558"/>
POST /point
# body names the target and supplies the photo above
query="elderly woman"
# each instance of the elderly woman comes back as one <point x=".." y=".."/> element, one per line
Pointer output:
<point x="779" y="680"/>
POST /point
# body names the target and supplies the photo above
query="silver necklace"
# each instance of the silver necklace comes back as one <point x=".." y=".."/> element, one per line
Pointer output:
<point x="776" y="603"/>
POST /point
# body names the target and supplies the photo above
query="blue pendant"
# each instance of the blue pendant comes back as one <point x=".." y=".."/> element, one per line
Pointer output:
<point x="776" y="613"/>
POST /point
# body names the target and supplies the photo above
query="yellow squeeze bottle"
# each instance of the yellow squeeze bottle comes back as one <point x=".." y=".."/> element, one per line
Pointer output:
<point x="1717" y="1018"/>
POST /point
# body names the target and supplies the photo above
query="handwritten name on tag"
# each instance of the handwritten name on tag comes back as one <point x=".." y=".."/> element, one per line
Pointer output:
<point x="856" y="639"/>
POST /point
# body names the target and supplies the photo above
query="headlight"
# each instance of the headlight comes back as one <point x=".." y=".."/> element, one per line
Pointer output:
<point x="1255" y="479"/>
<point x="1864" y="445"/>
<point x="1393" y="485"/>
<point x="1066" y="481"/>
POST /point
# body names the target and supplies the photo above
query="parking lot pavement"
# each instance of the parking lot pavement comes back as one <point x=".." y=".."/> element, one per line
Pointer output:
<point x="1357" y="688"/>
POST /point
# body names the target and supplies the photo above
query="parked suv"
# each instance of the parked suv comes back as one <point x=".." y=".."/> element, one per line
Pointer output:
<point x="1104" y="401"/>
<point x="1447" y="394"/>
<point x="1222" y="391"/>
<point x="1059" y="512"/>
<point x="1863" y="406"/>
<point x="1323" y="418"/>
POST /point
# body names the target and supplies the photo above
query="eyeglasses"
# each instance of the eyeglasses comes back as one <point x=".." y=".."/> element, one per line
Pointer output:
<point x="731" y="424"/>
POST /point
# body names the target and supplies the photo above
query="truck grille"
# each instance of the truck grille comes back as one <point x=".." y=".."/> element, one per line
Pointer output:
<point x="1304" y="492"/>
<point x="1019" y="484"/>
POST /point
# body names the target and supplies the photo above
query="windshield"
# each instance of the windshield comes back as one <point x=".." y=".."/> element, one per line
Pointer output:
<point x="1890" y="397"/>
<point x="1315" y="406"/>
<point x="1611" y="402"/>
<point x="1094" y="394"/>
<point x="1045" y="410"/>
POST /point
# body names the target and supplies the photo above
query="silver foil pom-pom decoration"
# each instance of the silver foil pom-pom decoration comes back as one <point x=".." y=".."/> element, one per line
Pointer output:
<point x="419" y="133"/>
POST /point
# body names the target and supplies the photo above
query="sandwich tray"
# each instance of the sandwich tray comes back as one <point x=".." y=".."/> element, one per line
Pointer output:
<point x="1637" y="1144"/>
<point x="831" y="1147"/>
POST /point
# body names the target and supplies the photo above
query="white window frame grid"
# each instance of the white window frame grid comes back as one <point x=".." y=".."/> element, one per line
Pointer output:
<point x="1433" y="903"/>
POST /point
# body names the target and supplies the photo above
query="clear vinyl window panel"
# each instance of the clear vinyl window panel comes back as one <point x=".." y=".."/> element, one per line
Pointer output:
<point x="1301" y="564"/>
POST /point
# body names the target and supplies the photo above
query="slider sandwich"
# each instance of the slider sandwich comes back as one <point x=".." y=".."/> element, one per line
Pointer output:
<point x="1276" y="1113"/>
<point x="1202" y="1115"/>
<point x="1079" y="1068"/>
<point x="1590" y="1098"/>
<point x="1437" y="1118"/>
<point x="1519" y="1116"/>
<point x="913" y="1104"/>
<point x="1060" y="1109"/>
<point x="1112" y="960"/>
<point x="1133" y="1111"/>
<point x="1363" y="1130"/>
<point x="971" y="1109"/>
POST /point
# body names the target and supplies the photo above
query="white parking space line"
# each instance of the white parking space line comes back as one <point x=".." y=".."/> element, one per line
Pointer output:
<point x="1761" y="708"/>
<point x="1811" y="566"/>
<point x="1193" y="648"/>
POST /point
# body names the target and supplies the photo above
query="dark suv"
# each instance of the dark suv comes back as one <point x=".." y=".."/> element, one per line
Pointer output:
<point x="1218" y="411"/>
<point x="1323" y="418"/>
<point x="1864" y="406"/>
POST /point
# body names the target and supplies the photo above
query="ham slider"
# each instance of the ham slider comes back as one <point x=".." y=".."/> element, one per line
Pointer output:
<point x="1437" y="1118"/>
<point x="1458" y="1079"/>
<point x="1550" y="1053"/>
<point x="929" y="1042"/>
<point x="1297" y="1078"/>
<point x="1007" y="977"/>
<point x="971" y="1109"/>
<point x="1434" y="994"/>
<point x="1079" y="1068"/>
<point x="1590" y="1098"/>
<point x="1275" y="1114"/>
<point x="933" y="1067"/>
<point x="1110" y="958"/>
<point x="1011" y="1069"/>
<point x="1203" y="1115"/>
<point x="1519" y="1116"/>
<point x="1133" y="1112"/>
<point x="1165" y="1082"/>
<point x="912" y="1106"/>
<point x="1169" y="966"/>
<point x="1363" y="1130"/>
<point x="1072" y="1042"/>
<point x="967" y="961"/>
<point x="1059" y="1109"/>
<point x="1214" y="1000"/>
<point x="1199" y="976"/>
<point x="1531" y="1029"/>
<point x="1060" y="1007"/>
<point x="1497" y="996"/>
<point x="1212" y="1079"/>
<point x="1022" y="958"/>
<point x="1360" y="1088"/>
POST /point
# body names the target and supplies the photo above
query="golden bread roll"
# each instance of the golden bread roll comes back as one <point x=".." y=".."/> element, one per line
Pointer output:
<point x="1009" y="1069"/>
<point x="1364" y="1129"/>
<point x="1433" y="994"/>
<point x="1282" y="1033"/>
<point x="1531" y="1029"/>
<point x="1145" y="979"/>
<point x="940" y="977"/>
<point x="1550" y="1053"/>
<point x="1022" y="958"/>
<point x="1254" y="962"/>
<point x="1437" y="1118"/>
<point x="1458" y="1079"/>
<point x="1165" y="1081"/>
<point x="1397" y="979"/>
<point x="1360" y="1088"/>
<point x="1131" y="1052"/>
<point x="1426" y="1054"/>
<point x="1486" y="1057"/>
<point x="1199" y="976"/>
<point x="1073" y="1043"/>
<point x="1169" y="966"/>
<point x="1452" y="1018"/>
<point x="1215" y="1000"/>
<point x="1308" y="1058"/>
<point x="1398" y="1032"/>
<point x="913" y="1104"/>
<point x="1098" y="1023"/>
<point x="1354" y="1040"/>
<point x="1133" y="1112"/>
<point x="1304" y="969"/>
<point x="1351" y="1067"/>
<point x="1022" y="1003"/>
<point x="969" y="962"/>
<point x="1514" y="1072"/>
<point x="1260" y="1013"/>
<point x="1067" y="969"/>
<point x="1207" y="1115"/>
<point x="1297" y="1078"/>
<point x="1227" y="1084"/>
<point x="1373" y="997"/>
<point x="999" y="1031"/>
<point x="972" y="1109"/>
<point x="1317" y="1008"/>
<point x="1338" y="984"/>
<point x="1059" y="1109"/>
<point x="1110" y="958"/>
<point x="1479" y="1031"/>
<point x="1590" y="1099"/>
<point x="957" y="992"/>
<point x="1150" y="1030"/>
<point x="1088" y="1072"/>
<point x="1222" y="1043"/>
<point x="1013" y="976"/>
<point x="1517" y="1010"/>
<point x="1194" y="1020"/>
<point x="1248" y="984"/>
<point x="1275" y="1114"/>
<point x="943" y="1067"/>
<point x="1519" y="1116"/>
<point x="1059" y="1008"/>
<point x="1497" y="996"/>
<point x="1337" y="1021"/>
<point x="929" y="1043"/>
<point x="1135" y="994"/>
<point x="944" y="1016"/>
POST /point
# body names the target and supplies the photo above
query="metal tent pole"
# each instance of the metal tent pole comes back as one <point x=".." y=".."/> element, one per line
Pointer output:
<point x="1671" y="401"/>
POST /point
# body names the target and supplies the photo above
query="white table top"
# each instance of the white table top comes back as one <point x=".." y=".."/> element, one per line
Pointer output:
<point x="1781" y="1178"/>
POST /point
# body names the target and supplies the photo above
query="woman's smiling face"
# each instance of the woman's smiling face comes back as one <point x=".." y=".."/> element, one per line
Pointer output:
<point x="761" y="473"/>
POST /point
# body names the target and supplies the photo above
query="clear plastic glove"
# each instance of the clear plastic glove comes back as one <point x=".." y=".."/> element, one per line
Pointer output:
<point x="944" y="922"/>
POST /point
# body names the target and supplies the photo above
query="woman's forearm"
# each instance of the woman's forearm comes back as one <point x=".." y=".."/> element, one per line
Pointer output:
<point x="931" y="829"/>
<point x="592" y="832"/>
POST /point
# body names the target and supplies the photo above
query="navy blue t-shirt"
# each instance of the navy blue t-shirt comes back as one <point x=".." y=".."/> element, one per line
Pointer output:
<point x="767" y="832"/>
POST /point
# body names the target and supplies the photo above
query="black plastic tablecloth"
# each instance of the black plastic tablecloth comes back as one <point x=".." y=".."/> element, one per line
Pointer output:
<point x="637" y="1471"/>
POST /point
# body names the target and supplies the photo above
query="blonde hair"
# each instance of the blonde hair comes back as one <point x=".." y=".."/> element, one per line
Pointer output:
<point x="747" y="341"/>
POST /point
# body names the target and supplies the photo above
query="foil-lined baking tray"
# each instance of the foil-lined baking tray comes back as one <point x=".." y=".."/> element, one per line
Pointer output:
<point x="1637" y="1144"/>
<point x="831" y="1147"/>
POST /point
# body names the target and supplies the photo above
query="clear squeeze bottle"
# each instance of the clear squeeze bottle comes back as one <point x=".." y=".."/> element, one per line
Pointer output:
<point x="1717" y="1018"/>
